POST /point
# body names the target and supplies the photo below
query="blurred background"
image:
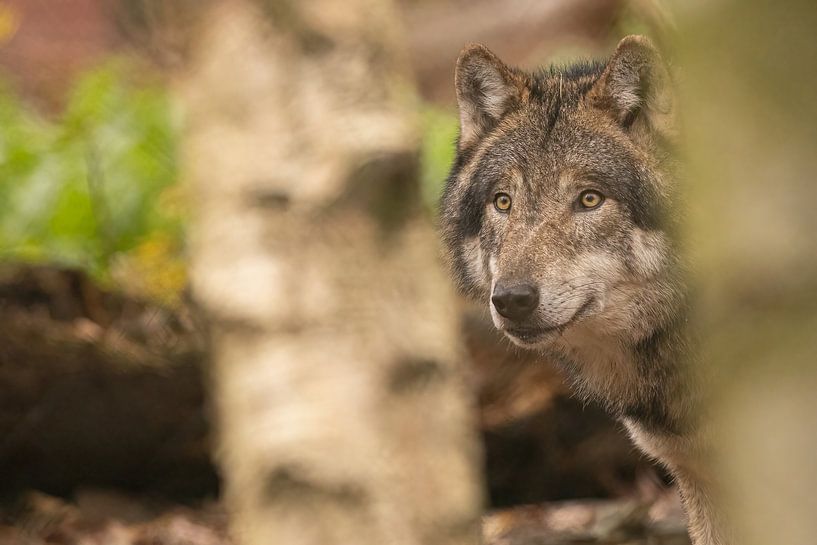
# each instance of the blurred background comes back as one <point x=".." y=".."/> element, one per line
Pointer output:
<point x="106" y="431"/>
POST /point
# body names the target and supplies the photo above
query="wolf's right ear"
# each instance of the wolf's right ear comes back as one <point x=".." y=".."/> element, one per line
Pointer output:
<point x="486" y="90"/>
<point x="636" y="89"/>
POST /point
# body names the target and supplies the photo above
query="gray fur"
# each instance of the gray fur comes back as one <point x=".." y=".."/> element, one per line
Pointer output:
<point x="611" y="297"/>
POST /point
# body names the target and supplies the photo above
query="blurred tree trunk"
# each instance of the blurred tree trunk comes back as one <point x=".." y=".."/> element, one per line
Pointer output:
<point x="750" y="80"/>
<point x="341" y="411"/>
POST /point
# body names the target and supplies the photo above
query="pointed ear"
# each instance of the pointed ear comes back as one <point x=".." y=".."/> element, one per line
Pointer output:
<point x="487" y="89"/>
<point x="636" y="90"/>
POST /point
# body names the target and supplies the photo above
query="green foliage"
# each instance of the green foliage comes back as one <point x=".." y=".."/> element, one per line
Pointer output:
<point x="96" y="188"/>
<point x="439" y="140"/>
<point x="85" y="188"/>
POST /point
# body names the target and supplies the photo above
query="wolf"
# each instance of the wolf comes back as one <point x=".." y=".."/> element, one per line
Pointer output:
<point x="561" y="214"/>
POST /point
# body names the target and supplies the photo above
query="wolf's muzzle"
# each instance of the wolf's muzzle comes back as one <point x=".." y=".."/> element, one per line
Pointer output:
<point x="516" y="302"/>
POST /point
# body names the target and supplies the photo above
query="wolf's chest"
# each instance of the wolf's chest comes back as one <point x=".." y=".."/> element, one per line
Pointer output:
<point x="669" y="450"/>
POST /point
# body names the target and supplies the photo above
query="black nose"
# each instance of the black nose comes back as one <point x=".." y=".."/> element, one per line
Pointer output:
<point x="515" y="302"/>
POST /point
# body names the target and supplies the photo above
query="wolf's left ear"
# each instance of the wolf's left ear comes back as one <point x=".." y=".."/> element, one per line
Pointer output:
<point x="636" y="89"/>
<point x="487" y="89"/>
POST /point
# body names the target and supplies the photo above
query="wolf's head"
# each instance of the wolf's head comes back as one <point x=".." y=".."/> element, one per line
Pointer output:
<point x="556" y="209"/>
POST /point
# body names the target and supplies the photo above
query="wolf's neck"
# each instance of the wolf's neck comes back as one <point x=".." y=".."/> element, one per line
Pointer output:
<point x="643" y="379"/>
<point x="647" y="383"/>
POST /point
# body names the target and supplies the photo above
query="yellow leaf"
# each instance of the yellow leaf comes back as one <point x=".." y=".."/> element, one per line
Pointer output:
<point x="9" y="22"/>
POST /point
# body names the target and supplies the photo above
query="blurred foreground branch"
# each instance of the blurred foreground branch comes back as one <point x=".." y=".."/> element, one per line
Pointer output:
<point x="751" y="71"/>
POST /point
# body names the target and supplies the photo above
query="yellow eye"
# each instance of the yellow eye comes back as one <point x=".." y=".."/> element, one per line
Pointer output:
<point x="590" y="199"/>
<point x="502" y="202"/>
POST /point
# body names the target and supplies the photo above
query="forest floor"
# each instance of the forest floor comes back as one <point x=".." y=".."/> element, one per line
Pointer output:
<point x="104" y="432"/>
<point x="100" y="517"/>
